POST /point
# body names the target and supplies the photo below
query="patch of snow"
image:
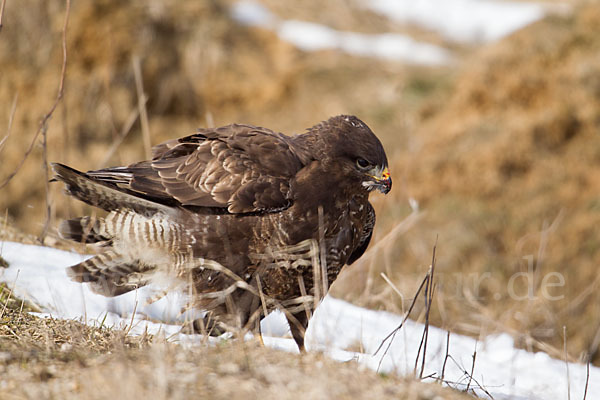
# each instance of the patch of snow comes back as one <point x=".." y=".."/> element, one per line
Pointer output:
<point x="38" y="274"/>
<point x="252" y="14"/>
<point x="461" y="20"/>
<point x="309" y="36"/>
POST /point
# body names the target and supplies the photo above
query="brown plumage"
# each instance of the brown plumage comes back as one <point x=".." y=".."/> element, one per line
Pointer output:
<point x="253" y="219"/>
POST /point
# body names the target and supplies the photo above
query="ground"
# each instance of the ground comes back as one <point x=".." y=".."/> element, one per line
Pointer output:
<point x="498" y="150"/>
<point x="46" y="358"/>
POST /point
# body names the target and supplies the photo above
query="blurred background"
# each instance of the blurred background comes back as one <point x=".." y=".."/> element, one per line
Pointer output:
<point x="488" y="110"/>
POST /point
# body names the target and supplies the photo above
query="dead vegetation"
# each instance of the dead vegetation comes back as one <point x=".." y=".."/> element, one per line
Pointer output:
<point x="501" y="160"/>
<point x="46" y="358"/>
<point x="505" y="172"/>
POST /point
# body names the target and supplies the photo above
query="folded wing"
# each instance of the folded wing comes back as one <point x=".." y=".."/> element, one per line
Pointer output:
<point x="240" y="168"/>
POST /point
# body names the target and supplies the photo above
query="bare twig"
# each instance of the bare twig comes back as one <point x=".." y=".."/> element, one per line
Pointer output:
<point x="46" y="182"/>
<point x="447" y="352"/>
<point x="412" y="305"/>
<point x="472" y="367"/>
<point x="394" y="288"/>
<point x="11" y="118"/>
<point x="133" y="116"/>
<point x="471" y="379"/>
<point x="2" y="13"/>
<point x="400" y="228"/>
<point x="10" y="294"/>
<point x="139" y="86"/>
<point x="323" y="253"/>
<point x="429" y="291"/>
<point x="303" y="292"/>
<point x="567" y="362"/>
<point x="263" y="303"/>
<point x="132" y="315"/>
<point x="59" y="97"/>
<point x="587" y="377"/>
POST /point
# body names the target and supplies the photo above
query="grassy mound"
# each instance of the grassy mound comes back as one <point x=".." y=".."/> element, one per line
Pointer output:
<point x="506" y="171"/>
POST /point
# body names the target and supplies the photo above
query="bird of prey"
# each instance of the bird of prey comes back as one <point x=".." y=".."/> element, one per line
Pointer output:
<point x="250" y="219"/>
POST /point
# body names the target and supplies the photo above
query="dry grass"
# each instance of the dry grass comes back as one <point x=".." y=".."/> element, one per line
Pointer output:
<point x="501" y="157"/>
<point x="46" y="358"/>
<point x="505" y="171"/>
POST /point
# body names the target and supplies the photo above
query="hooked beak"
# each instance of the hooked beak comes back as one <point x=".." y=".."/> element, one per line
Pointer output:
<point x="381" y="180"/>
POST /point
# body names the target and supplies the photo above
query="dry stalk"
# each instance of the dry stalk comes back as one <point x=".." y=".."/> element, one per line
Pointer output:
<point x="400" y="228"/>
<point x="46" y="183"/>
<point x="11" y="118"/>
<point x="429" y="292"/>
<point x="446" y="356"/>
<point x="472" y="367"/>
<point x="322" y="253"/>
<point x="2" y="13"/>
<point x="139" y="86"/>
<point x="394" y="288"/>
<point x="263" y="303"/>
<point x="132" y="316"/>
<point x="59" y="97"/>
<point x="587" y="377"/>
<point x="133" y="116"/>
<point x="393" y="333"/>
<point x="466" y="374"/>
<point x="9" y="294"/>
<point x="567" y="362"/>
<point x="303" y="292"/>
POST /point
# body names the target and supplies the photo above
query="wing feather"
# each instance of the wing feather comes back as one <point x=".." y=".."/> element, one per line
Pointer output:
<point x="242" y="168"/>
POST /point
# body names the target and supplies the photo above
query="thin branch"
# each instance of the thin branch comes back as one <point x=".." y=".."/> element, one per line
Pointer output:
<point x="10" y="294"/>
<point x="429" y="291"/>
<point x="2" y="13"/>
<point x="304" y="294"/>
<point x="11" y="118"/>
<point x="394" y="288"/>
<point x="46" y="183"/>
<point x="323" y="253"/>
<point x="263" y="302"/>
<point x="470" y="376"/>
<point x="412" y="305"/>
<point x="133" y="116"/>
<point x="139" y="86"/>
<point x="59" y="97"/>
<point x="567" y="362"/>
<point x="132" y="315"/>
<point x="472" y="367"/>
<point x="587" y="377"/>
<point x="447" y="352"/>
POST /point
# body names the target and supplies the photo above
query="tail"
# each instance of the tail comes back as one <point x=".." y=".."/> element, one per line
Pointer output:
<point x="84" y="230"/>
<point x="109" y="274"/>
<point x="104" y="194"/>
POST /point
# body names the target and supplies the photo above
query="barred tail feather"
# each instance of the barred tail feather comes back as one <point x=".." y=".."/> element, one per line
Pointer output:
<point x="83" y="230"/>
<point x="102" y="194"/>
<point x="109" y="274"/>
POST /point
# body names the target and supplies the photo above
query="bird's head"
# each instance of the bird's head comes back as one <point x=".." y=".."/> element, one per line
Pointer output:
<point x="357" y="151"/>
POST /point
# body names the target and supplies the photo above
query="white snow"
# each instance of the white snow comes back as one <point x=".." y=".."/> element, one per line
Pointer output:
<point x="38" y="274"/>
<point x="461" y="20"/>
<point x="309" y="36"/>
<point x="466" y="21"/>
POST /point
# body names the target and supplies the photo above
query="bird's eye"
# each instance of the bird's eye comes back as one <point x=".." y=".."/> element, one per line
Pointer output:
<point x="362" y="163"/>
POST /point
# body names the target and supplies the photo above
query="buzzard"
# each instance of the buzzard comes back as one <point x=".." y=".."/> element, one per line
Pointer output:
<point x="250" y="219"/>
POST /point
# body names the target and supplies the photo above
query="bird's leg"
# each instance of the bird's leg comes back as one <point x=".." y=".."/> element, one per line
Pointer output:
<point x="260" y="337"/>
<point x="298" y="323"/>
<point x="210" y="324"/>
<point x="250" y="312"/>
